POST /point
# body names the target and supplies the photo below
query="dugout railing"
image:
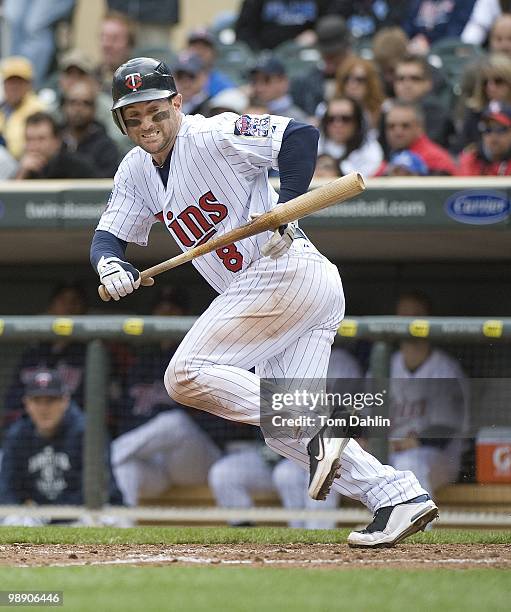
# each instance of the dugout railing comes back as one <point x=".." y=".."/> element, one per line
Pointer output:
<point x="378" y="335"/>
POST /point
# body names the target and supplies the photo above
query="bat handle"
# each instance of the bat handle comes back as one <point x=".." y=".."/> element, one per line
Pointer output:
<point x="103" y="294"/>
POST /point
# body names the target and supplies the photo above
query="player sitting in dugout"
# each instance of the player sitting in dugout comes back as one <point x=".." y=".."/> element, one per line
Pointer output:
<point x="280" y="300"/>
<point x="429" y="405"/>
<point x="42" y="461"/>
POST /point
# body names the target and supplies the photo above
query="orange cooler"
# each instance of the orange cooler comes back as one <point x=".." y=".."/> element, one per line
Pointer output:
<point x="493" y="455"/>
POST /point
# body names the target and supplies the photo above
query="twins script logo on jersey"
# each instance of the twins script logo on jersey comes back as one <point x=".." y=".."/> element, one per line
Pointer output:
<point x="252" y="126"/>
<point x="133" y="81"/>
<point x="195" y="225"/>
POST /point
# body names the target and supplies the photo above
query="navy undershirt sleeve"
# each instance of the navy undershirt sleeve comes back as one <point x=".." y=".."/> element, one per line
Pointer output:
<point x="108" y="245"/>
<point x="297" y="159"/>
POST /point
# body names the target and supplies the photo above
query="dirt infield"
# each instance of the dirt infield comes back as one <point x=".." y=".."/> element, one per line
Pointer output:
<point x="424" y="556"/>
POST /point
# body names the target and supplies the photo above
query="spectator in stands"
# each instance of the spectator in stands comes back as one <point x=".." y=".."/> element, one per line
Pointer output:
<point x="191" y="80"/>
<point x="428" y="417"/>
<point x="492" y="82"/>
<point x="202" y="44"/>
<point x="344" y="134"/>
<point x="358" y="79"/>
<point x="365" y="17"/>
<point x="64" y="356"/>
<point x="8" y="165"/>
<point x="270" y="85"/>
<point x="265" y="24"/>
<point x="45" y="155"/>
<point x="413" y="83"/>
<point x="161" y="443"/>
<point x="484" y="15"/>
<point x="42" y="459"/>
<point x="235" y="477"/>
<point x="76" y="67"/>
<point x="153" y="18"/>
<point x="83" y="134"/>
<point x="427" y="21"/>
<point x="389" y="46"/>
<point x="20" y="101"/>
<point x="492" y="155"/>
<point x="318" y="85"/>
<point x="500" y="35"/>
<point x="327" y="167"/>
<point x="404" y="129"/>
<point x="406" y="163"/>
<point x="229" y="101"/>
<point x="32" y="30"/>
<point x="117" y="40"/>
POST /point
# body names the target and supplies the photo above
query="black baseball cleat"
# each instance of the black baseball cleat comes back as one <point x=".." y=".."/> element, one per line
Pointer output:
<point x="324" y="462"/>
<point x="392" y="524"/>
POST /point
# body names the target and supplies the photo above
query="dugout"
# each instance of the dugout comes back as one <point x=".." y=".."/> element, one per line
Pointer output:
<point x="449" y="237"/>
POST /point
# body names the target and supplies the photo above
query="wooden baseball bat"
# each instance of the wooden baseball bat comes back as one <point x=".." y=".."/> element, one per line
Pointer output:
<point x="337" y="191"/>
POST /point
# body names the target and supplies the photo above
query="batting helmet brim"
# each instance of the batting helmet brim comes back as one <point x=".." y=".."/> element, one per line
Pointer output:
<point x="143" y="96"/>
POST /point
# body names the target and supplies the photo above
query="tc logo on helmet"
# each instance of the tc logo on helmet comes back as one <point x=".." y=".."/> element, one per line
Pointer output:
<point x="133" y="81"/>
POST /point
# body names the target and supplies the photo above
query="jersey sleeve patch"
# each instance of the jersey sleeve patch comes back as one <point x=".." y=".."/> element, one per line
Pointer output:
<point x="258" y="126"/>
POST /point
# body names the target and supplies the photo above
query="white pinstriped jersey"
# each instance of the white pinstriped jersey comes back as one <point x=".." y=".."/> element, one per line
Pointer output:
<point x="218" y="177"/>
<point x="416" y="406"/>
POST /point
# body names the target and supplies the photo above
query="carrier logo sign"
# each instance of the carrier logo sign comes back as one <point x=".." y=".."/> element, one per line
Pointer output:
<point x="478" y="207"/>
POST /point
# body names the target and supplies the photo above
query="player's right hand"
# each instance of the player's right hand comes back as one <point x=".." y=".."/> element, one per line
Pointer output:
<point x="118" y="277"/>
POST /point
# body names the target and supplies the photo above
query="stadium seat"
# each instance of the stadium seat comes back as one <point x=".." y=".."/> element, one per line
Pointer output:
<point x="451" y="56"/>
<point x="163" y="53"/>
<point x="296" y="58"/>
<point x="234" y="60"/>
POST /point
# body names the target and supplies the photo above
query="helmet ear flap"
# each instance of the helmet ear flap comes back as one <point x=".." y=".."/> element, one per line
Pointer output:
<point x="119" y="120"/>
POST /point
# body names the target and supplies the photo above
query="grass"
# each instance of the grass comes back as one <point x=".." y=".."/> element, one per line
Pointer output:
<point x="246" y="589"/>
<point x="226" y="535"/>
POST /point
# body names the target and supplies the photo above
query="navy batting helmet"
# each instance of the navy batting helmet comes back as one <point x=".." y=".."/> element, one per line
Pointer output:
<point x="140" y="80"/>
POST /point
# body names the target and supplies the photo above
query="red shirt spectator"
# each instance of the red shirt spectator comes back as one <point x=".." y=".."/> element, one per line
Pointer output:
<point x="404" y="129"/>
<point x="492" y="156"/>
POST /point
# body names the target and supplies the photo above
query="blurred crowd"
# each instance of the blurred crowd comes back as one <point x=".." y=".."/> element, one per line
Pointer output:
<point x="406" y="88"/>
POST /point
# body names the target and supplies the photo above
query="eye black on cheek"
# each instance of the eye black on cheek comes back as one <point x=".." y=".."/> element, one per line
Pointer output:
<point x="132" y="122"/>
<point x="161" y="116"/>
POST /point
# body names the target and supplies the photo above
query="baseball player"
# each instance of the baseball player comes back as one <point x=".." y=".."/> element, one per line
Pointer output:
<point x="429" y="417"/>
<point x="280" y="301"/>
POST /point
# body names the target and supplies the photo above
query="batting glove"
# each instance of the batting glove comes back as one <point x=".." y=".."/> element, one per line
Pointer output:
<point x="118" y="277"/>
<point x="281" y="241"/>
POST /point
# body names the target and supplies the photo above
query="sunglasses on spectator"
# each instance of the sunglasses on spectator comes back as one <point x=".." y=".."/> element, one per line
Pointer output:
<point x="339" y="118"/>
<point x="404" y="126"/>
<point x="356" y="78"/>
<point x="89" y="103"/>
<point x="494" y="129"/>
<point x="495" y="80"/>
<point x="415" y="78"/>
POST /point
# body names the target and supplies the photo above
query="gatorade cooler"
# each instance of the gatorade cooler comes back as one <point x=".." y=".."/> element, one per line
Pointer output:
<point x="493" y="455"/>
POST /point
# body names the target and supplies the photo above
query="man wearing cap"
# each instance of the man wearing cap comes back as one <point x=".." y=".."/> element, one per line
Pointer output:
<point x="191" y="79"/>
<point x="42" y="452"/>
<point x="492" y="154"/>
<point x="265" y="24"/>
<point x="406" y="163"/>
<point x="318" y="85"/>
<point x="20" y="101"/>
<point x="83" y="134"/>
<point x="202" y="44"/>
<point x="270" y="86"/>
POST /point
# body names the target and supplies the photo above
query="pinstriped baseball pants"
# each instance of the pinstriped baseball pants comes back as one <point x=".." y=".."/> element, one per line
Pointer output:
<point x="279" y="316"/>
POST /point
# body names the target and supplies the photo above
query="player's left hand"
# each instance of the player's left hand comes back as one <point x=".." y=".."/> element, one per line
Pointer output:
<point x="281" y="241"/>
